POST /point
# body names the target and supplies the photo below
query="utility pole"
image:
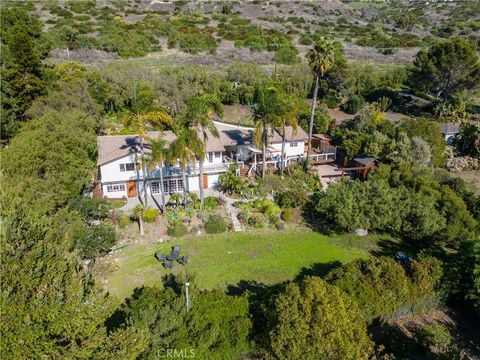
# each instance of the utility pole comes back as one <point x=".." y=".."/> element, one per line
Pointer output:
<point x="187" y="284"/>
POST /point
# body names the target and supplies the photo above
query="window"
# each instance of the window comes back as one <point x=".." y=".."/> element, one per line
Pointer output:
<point x="293" y="144"/>
<point x="115" y="188"/>
<point x="155" y="187"/>
<point x="210" y="157"/>
<point x="127" y="167"/>
<point x="218" y="155"/>
<point x="172" y="185"/>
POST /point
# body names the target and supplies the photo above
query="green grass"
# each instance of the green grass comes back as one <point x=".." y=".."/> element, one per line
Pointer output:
<point x="219" y="260"/>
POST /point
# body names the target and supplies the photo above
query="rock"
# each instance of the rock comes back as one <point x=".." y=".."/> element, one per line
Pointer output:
<point x="360" y="232"/>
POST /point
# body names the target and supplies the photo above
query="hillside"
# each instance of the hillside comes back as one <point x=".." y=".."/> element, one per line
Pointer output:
<point x="259" y="31"/>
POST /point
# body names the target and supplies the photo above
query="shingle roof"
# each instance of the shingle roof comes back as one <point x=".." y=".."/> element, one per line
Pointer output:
<point x="112" y="147"/>
<point x="245" y="137"/>
<point x="449" y="128"/>
<point x="364" y="160"/>
<point x="300" y="134"/>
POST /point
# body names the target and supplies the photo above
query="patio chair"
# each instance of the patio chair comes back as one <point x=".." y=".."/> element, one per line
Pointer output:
<point x="160" y="257"/>
<point x="167" y="264"/>
<point x="183" y="260"/>
<point x="176" y="248"/>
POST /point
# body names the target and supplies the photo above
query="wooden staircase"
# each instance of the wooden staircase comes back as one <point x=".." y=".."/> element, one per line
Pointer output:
<point x="245" y="169"/>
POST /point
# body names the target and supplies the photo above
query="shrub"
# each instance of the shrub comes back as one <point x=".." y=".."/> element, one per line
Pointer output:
<point x="123" y="221"/>
<point x="291" y="198"/>
<point x="383" y="288"/>
<point x="312" y="320"/>
<point x="436" y="336"/>
<point x="150" y="215"/>
<point x="256" y="221"/>
<point x="211" y="203"/>
<point x="215" y="225"/>
<point x="354" y="104"/>
<point x="96" y="240"/>
<point x="177" y="230"/>
<point x="287" y="215"/>
<point x="90" y="208"/>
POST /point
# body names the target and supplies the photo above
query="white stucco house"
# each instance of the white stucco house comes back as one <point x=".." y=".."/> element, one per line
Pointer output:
<point x="120" y="174"/>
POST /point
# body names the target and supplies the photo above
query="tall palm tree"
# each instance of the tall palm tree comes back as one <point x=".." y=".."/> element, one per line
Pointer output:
<point x="156" y="119"/>
<point x="185" y="148"/>
<point x="321" y="59"/>
<point x="264" y="109"/>
<point x="159" y="156"/>
<point x="198" y="115"/>
<point x="285" y="115"/>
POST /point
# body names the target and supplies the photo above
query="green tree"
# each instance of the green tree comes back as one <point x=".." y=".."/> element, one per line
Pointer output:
<point x="321" y="59"/>
<point x="146" y="115"/>
<point x="137" y="214"/>
<point x="266" y="102"/>
<point x="446" y="67"/>
<point x="314" y="320"/>
<point x="286" y="114"/>
<point x="185" y="149"/>
<point x="383" y="288"/>
<point x="159" y="156"/>
<point x="199" y="115"/>
<point x="468" y="140"/>
<point x="215" y="327"/>
<point x="51" y="160"/>
<point x="50" y="305"/>
<point x="21" y="70"/>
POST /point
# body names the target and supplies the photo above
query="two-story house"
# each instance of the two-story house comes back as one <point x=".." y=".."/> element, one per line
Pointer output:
<point x="121" y="175"/>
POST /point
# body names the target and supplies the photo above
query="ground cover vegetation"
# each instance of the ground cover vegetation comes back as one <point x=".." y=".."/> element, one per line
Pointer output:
<point x="302" y="287"/>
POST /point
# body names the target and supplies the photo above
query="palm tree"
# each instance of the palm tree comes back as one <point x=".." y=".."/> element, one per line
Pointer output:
<point x="198" y="115"/>
<point x="185" y="148"/>
<point x="285" y="115"/>
<point x="137" y="214"/>
<point x="321" y="59"/>
<point x="156" y="119"/>
<point x="159" y="157"/>
<point x="264" y="108"/>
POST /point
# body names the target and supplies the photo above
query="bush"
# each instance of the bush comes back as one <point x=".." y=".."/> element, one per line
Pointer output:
<point x="287" y="215"/>
<point x="354" y="104"/>
<point x="291" y="198"/>
<point x="123" y="221"/>
<point x="383" y="288"/>
<point x="150" y="215"/>
<point x="215" y="225"/>
<point x="436" y="336"/>
<point x="96" y="240"/>
<point x="177" y="230"/>
<point x="211" y="203"/>
<point x="90" y="208"/>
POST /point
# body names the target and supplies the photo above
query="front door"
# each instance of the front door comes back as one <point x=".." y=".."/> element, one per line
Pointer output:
<point x="205" y="181"/>
<point x="132" y="188"/>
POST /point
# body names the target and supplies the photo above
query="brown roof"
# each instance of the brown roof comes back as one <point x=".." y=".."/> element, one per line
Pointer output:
<point x="449" y="128"/>
<point x="300" y="134"/>
<point x="112" y="147"/>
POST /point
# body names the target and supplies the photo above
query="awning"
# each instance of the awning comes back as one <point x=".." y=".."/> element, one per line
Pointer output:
<point x="254" y="150"/>
<point x="273" y="150"/>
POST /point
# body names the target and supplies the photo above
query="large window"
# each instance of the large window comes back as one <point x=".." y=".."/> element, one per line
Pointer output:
<point x="293" y="144"/>
<point x="127" y="167"/>
<point x="210" y="157"/>
<point x="115" y="188"/>
<point x="218" y="155"/>
<point x="169" y="186"/>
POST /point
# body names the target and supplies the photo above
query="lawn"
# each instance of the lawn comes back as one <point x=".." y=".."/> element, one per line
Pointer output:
<point x="219" y="260"/>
